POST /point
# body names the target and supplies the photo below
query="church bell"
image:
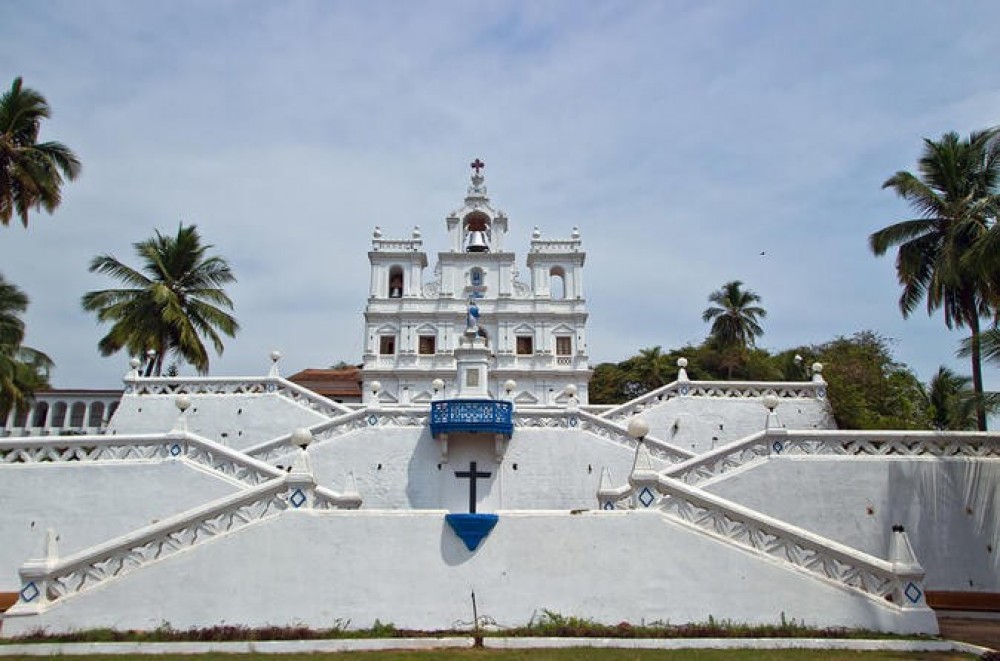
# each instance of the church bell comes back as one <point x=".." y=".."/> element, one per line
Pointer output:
<point x="477" y="242"/>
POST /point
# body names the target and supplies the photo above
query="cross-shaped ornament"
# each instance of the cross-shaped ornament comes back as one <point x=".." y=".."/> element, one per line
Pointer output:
<point x="472" y="475"/>
<point x="477" y="165"/>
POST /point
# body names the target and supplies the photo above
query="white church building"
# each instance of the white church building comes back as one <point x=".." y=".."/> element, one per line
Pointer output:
<point x="476" y="466"/>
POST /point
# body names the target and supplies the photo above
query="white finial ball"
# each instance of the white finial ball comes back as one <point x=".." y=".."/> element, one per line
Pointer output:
<point x="301" y="438"/>
<point x="638" y="428"/>
<point x="682" y="362"/>
<point x="509" y="385"/>
<point x="771" y="402"/>
<point x="134" y="363"/>
<point x="797" y="359"/>
<point x="377" y="233"/>
<point x="151" y="354"/>
<point x="576" y="232"/>
<point x="437" y="384"/>
<point x="376" y="387"/>
<point x="416" y="232"/>
<point x="817" y="368"/>
<point x="275" y="356"/>
<point x="183" y="402"/>
<point x="571" y="390"/>
<point x="536" y="233"/>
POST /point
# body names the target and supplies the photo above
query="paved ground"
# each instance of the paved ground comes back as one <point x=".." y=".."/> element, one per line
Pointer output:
<point x="975" y="631"/>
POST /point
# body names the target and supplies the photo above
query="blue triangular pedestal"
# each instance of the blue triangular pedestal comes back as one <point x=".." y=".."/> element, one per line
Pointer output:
<point x="472" y="528"/>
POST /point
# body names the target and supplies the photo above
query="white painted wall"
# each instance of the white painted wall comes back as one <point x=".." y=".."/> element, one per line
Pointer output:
<point x="701" y="424"/>
<point x="237" y="421"/>
<point x="408" y="568"/>
<point x="89" y="503"/>
<point x="556" y="468"/>
<point x="948" y="507"/>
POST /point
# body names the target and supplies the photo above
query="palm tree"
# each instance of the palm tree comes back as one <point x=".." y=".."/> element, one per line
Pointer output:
<point x="22" y="369"/>
<point x="735" y="322"/>
<point x="31" y="172"/>
<point x="168" y="305"/>
<point x="951" y="402"/>
<point x="956" y="199"/>
<point x="649" y="367"/>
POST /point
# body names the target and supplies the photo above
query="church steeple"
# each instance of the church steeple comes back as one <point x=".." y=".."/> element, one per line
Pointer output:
<point x="477" y="227"/>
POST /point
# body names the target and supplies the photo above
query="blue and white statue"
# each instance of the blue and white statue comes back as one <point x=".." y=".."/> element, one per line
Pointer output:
<point x="472" y="318"/>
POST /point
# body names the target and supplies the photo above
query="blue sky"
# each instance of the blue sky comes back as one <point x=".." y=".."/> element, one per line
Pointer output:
<point x="683" y="138"/>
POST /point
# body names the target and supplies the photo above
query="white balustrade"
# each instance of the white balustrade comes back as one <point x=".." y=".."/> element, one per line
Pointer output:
<point x="232" y="464"/>
<point x="717" y="389"/>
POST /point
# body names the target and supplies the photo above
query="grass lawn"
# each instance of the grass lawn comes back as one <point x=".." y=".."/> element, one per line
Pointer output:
<point x="574" y="654"/>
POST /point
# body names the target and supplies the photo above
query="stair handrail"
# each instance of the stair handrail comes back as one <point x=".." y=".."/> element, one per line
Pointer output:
<point x="353" y="420"/>
<point x="721" y="460"/>
<point x="807" y="551"/>
<point x="720" y="389"/>
<point x="256" y="385"/>
<point x="230" y="463"/>
<point x="50" y="579"/>
<point x="600" y="426"/>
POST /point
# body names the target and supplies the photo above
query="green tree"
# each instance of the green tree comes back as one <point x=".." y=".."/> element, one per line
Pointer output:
<point x="867" y="388"/>
<point x="168" y="305"/>
<point x="951" y="403"/>
<point x="735" y="318"/>
<point x="23" y="370"/>
<point x="31" y="172"/>
<point x="955" y="197"/>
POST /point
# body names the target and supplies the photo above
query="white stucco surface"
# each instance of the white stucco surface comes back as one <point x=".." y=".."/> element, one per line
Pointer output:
<point x="947" y="506"/>
<point x="237" y="421"/>
<point x="700" y="424"/>
<point x="89" y="503"/>
<point x="409" y="568"/>
<point x="404" y="468"/>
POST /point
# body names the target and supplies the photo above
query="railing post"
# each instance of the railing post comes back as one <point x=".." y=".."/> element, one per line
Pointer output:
<point x="909" y="592"/>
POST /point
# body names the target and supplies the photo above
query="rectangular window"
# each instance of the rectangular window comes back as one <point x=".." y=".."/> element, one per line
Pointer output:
<point x="427" y="344"/>
<point x="387" y="344"/>
<point x="525" y="347"/>
<point x="564" y="346"/>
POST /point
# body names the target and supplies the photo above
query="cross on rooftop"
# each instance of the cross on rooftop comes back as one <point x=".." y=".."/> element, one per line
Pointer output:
<point x="477" y="165"/>
<point x="472" y="475"/>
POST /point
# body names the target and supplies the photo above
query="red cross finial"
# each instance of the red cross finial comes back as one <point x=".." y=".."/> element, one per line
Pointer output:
<point x="477" y="165"/>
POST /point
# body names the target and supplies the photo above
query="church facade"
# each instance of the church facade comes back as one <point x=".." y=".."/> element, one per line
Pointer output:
<point x="533" y="326"/>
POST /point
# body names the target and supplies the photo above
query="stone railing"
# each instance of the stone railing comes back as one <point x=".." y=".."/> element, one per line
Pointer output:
<point x="843" y="443"/>
<point x="62" y="411"/>
<point x="46" y="581"/>
<point x="235" y="386"/>
<point x="617" y="434"/>
<point x="718" y="389"/>
<point x="231" y="464"/>
<point x="770" y="537"/>
<point x="410" y="416"/>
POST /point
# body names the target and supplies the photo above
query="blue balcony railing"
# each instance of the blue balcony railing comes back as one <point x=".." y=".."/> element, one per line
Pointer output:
<point x="488" y="416"/>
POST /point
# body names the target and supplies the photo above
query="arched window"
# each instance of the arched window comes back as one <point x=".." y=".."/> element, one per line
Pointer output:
<point x="96" y="414"/>
<point x="41" y="410"/>
<point x="77" y="415"/>
<point x="557" y="282"/>
<point x="58" y="415"/>
<point x="396" y="282"/>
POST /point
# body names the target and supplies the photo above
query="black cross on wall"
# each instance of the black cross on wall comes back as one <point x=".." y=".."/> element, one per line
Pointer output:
<point x="471" y="475"/>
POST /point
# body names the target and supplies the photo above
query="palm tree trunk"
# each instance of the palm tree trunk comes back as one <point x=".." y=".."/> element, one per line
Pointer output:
<point x="977" y="372"/>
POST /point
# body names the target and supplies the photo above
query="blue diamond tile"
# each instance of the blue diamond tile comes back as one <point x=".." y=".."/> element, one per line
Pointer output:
<point x="30" y="592"/>
<point x="821" y="393"/>
<point x="913" y="593"/>
<point x="373" y="420"/>
<point x="573" y="422"/>
<point x="271" y="387"/>
<point x="777" y="447"/>
<point x="298" y="498"/>
<point x="646" y="497"/>
<point x="608" y="505"/>
<point x="175" y="449"/>
<point x="684" y="390"/>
